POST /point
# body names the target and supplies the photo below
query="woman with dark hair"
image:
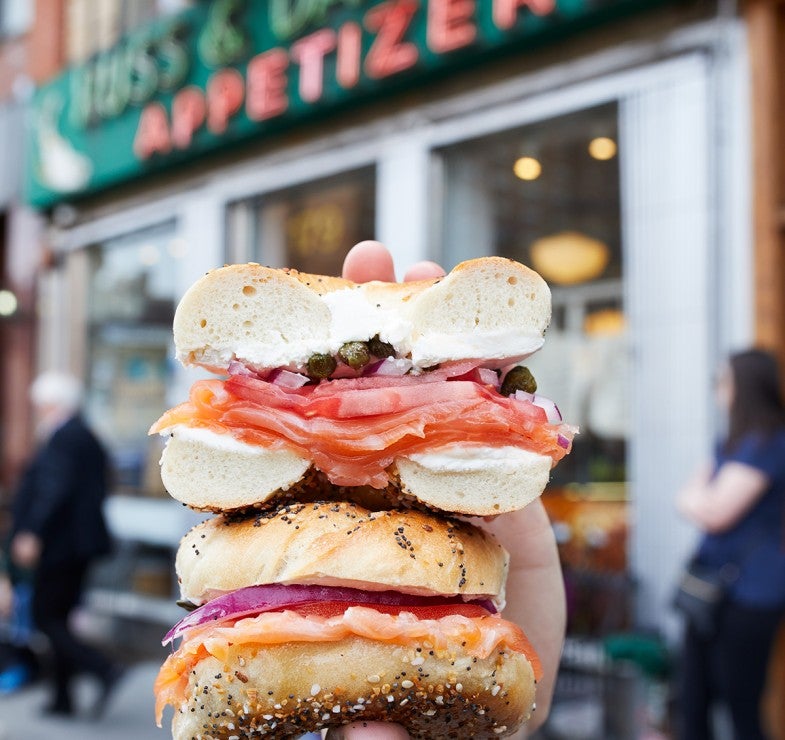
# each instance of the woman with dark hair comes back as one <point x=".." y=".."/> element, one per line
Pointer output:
<point x="739" y="503"/>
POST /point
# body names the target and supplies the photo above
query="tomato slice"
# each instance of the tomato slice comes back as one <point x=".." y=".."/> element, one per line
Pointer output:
<point x="327" y="609"/>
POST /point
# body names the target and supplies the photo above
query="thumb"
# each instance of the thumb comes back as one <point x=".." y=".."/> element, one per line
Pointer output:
<point x="368" y="731"/>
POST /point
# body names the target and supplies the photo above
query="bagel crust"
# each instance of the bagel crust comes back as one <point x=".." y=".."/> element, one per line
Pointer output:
<point x="342" y="544"/>
<point x="285" y="690"/>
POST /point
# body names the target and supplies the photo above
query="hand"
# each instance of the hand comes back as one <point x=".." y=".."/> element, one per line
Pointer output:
<point x="26" y="549"/>
<point x="535" y="588"/>
<point x="6" y="597"/>
<point x="367" y="731"/>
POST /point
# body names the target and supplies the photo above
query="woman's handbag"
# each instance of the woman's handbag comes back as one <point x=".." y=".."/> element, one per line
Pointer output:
<point x="701" y="593"/>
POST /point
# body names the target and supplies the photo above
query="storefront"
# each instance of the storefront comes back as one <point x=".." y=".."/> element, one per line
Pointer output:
<point x="603" y="143"/>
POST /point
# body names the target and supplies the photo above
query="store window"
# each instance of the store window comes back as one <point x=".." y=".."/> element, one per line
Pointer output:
<point x="132" y="296"/>
<point x="309" y="227"/>
<point x="548" y="195"/>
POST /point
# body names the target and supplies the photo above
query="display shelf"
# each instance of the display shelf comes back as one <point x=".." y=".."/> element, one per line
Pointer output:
<point x="150" y="521"/>
<point x="129" y="605"/>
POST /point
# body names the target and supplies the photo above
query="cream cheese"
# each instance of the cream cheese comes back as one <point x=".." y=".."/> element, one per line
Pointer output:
<point x="224" y="442"/>
<point x="459" y="458"/>
<point x="355" y="318"/>
<point x="432" y="349"/>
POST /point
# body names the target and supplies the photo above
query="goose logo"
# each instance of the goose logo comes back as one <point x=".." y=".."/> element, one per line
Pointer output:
<point x="60" y="166"/>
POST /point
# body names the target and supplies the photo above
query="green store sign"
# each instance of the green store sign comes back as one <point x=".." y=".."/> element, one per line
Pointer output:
<point x="228" y="71"/>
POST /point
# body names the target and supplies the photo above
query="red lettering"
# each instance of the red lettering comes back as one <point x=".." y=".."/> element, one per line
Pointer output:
<point x="225" y="92"/>
<point x="389" y="53"/>
<point x="188" y="113"/>
<point x="450" y="24"/>
<point x="152" y="133"/>
<point x="266" y="85"/>
<point x="309" y="53"/>
<point x="347" y="63"/>
<point x="505" y="12"/>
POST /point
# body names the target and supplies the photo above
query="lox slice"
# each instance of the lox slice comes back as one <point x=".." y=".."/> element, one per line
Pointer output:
<point x="478" y="636"/>
<point x="354" y="429"/>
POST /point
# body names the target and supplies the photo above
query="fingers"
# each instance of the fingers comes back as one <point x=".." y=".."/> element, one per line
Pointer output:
<point x="423" y="271"/>
<point x="368" y="731"/>
<point x="368" y="261"/>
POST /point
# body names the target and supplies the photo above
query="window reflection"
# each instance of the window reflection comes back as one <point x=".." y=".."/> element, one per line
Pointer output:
<point x="132" y="301"/>
<point x="548" y="195"/>
<point x="309" y="227"/>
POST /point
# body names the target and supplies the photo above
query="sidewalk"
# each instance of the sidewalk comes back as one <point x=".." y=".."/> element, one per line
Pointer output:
<point x="129" y="716"/>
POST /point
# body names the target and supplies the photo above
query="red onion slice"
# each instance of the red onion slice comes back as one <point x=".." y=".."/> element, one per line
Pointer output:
<point x="549" y="407"/>
<point x="287" y="379"/>
<point x="237" y="368"/>
<point x="389" y="366"/>
<point x="488" y="376"/>
<point x="274" y="597"/>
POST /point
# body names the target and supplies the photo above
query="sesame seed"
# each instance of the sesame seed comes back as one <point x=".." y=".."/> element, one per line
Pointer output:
<point x="337" y="709"/>
<point x="500" y="730"/>
<point x="325" y="717"/>
<point x="419" y="660"/>
<point x="495" y="690"/>
<point x="407" y="684"/>
<point x="315" y="689"/>
<point x="390" y="698"/>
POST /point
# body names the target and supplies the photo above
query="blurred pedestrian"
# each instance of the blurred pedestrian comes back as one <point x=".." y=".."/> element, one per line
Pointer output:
<point x="18" y="663"/>
<point x="739" y="503"/>
<point x="58" y="530"/>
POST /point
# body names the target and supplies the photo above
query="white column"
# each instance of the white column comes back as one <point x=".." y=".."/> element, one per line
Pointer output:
<point x="665" y="154"/>
<point x="402" y="199"/>
<point x="201" y="226"/>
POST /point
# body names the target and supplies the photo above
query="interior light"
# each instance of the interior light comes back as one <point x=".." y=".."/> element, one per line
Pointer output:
<point x="8" y="303"/>
<point x="177" y="248"/>
<point x="527" y="168"/>
<point x="148" y="255"/>
<point x="604" y="322"/>
<point x="569" y="257"/>
<point x="602" y="148"/>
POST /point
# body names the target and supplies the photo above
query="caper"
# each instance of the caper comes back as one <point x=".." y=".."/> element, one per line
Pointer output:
<point x="518" y="379"/>
<point x="355" y="354"/>
<point x="321" y="366"/>
<point x="380" y="349"/>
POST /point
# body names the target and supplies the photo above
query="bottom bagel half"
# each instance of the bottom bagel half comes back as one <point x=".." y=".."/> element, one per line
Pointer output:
<point x="285" y="690"/>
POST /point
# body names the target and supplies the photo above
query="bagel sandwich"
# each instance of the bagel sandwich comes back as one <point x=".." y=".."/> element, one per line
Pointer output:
<point x="320" y="614"/>
<point x="413" y="390"/>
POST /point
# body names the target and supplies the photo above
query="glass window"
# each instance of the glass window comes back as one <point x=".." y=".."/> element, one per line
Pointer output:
<point x="132" y="301"/>
<point x="548" y="195"/>
<point x="310" y="227"/>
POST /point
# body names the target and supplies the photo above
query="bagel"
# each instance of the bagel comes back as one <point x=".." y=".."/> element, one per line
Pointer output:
<point x="321" y="614"/>
<point x="491" y="309"/>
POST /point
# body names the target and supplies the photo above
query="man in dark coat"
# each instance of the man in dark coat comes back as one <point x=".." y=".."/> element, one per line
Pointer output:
<point x="58" y="529"/>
